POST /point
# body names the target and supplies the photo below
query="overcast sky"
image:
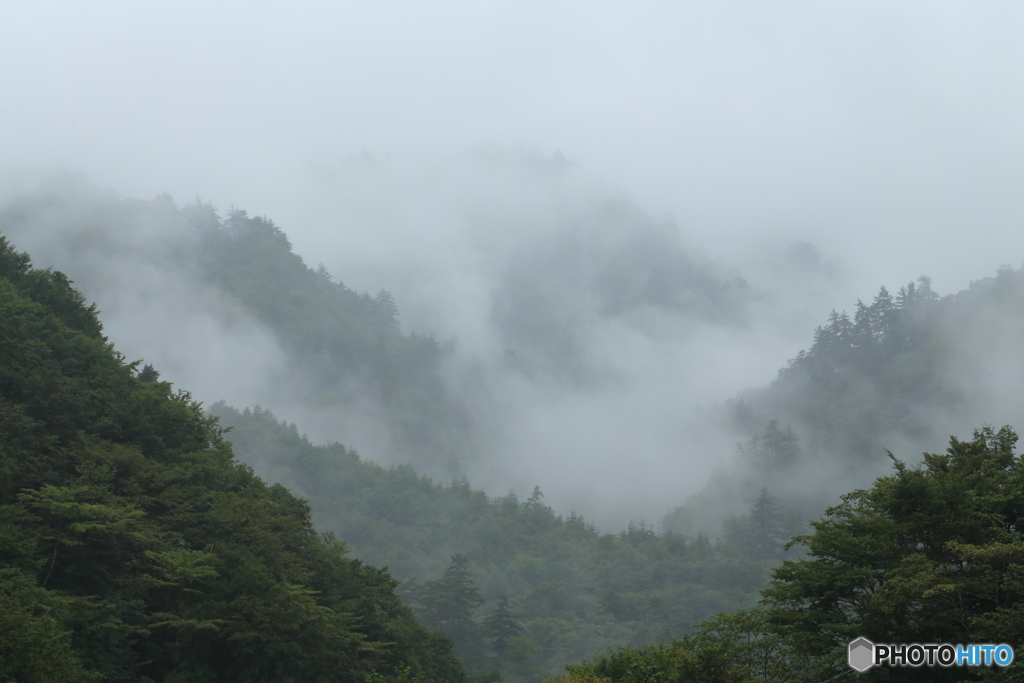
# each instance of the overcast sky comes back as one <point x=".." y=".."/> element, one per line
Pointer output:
<point x="890" y="124"/>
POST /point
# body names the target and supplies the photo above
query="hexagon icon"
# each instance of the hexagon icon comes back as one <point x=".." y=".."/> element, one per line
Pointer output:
<point x="862" y="654"/>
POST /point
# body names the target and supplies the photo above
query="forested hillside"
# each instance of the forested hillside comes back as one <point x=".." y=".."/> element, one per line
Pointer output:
<point x="903" y="373"/>
<point x="894" y="372"/>
<point x="900" y="368"/>
<point x="928" y="554"/>
<point x="571" y="589"/>
<point x="545" y="313"/>
<point x="346" y="346"/>
<point x="133" y="547"/>
<point x="333" y="351"/>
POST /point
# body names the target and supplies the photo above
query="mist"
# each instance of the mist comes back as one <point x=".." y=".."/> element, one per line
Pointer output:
<point x="491" y="165"/>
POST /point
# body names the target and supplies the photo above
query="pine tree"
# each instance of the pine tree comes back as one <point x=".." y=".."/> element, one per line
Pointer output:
<point x="766" y="527"/>
<point x="773" y="451"/>
<point x="148" y="374"/>
<point x="884" y="316"/>
<point x="502" y="626"/>
<point x="448" y="605"/>
<point x="862" y="338"/>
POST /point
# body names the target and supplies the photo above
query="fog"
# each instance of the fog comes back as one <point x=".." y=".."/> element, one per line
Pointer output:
<point x="452" y="152"/>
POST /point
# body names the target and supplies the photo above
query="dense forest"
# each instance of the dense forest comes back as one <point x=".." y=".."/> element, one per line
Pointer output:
<point x="134" y="547"/>
<point x="905" y="372"/>
<point x="346" y="345"/>
<point x="908" y="367"/>
<point x="571" y="589"/>
<point x="135" y="544"/>
<point x="571" y="598"/>
<point x="928" y="554"/>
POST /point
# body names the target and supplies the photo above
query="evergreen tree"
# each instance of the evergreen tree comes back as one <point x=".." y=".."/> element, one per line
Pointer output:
<point x="928" y="554"/>
<point x="772" y="452"/>
<point x="863" y="337"/>
<point x="448" y="604"/>
<point x="502" y="626"/>
<point x="133" y="546"/>
<point x="148" y="374"/>
<point x="766" y="524"/>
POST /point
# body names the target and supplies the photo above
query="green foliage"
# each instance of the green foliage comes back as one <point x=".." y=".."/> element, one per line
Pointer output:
<point x="573" y="590"/>
<point x="503" y="627"/>
<point x="147" y="374"/>
<point x="773" y="452"/>
<point x="35" y="643"/>
<point x="449" y="603"/>
<point x="685" y="661"/>
<point x="901" y="366"/>
<point x="133" y="547"/>
<point x="336" y="338"/>
<point x="736" y="503"/>
<point x="763" y="533"/>
<point x="931" y="553"/>
<point x="905" y="370"/>
<point x="862" y="379"/>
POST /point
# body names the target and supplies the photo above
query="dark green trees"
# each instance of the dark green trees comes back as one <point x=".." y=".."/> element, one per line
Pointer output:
<point x="134" y="548"/>
<point x="932" y="553"/>
<point x="449" y="604"/>
<point x="866" y="378"/>
<point x="335" y="337"/>
<point x="574" y="590"/>
<point x="762" y="533"/>
<point x="502" y="626"/>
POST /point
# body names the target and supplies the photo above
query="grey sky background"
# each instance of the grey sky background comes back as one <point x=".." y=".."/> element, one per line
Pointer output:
<point x="888" y="135"/>
<point x="889" y="124"/>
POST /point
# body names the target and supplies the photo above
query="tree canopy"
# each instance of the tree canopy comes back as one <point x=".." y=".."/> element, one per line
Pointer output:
<point x="133" y="547"/>
<point x="932" y="553"/>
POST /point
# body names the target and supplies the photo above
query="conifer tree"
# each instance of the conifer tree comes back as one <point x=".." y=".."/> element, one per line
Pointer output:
<point x="502" y="626"/>
<point x="448" y="604"/>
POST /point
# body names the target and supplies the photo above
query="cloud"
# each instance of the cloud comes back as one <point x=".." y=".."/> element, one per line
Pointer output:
<point x="886" y="137"/>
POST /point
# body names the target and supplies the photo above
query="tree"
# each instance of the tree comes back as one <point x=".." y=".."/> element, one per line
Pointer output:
<point x="448" y="605"/>
<point x="772" y="452"/>
<point x="502" y="626"/>
<point x="883" y="316"/>
<point x="933" y="553"/>
<point x="134" y="547"/>
<point x="762" y="533"/>
<point x="35" y="647"/>
<point x="148" y="374"/>
<point x="766" y="525"/>
<point x="684" y="660"/>
<point x="747" y="638"/>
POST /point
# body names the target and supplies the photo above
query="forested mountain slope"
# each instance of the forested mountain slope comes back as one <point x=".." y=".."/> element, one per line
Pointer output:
<point x="553" y="298"/>
<point x="927" y="554"/>
<point x="346" y="346"/>
<point x="190" y="275"/>
<point x="905" y="369"/>
<point x="573" y="590"/>
<point x="535" y="589"/>
<point x="901" y="374"/>
<point x="133" y="547"/>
